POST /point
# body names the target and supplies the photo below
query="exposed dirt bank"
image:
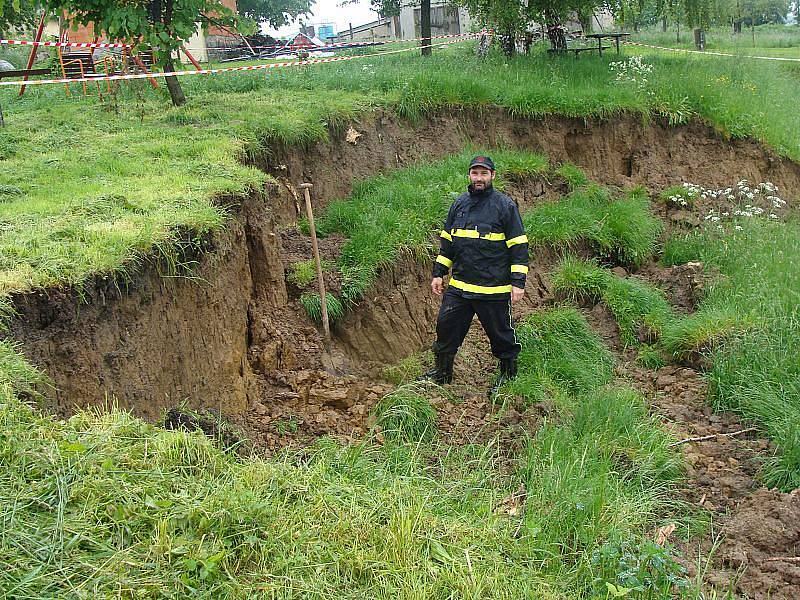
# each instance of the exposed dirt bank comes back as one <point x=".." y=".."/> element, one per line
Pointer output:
<point x="623" y="151"/>
<point x="234" y="337"/>
<point x="213" y="341"/>
<point x="758" y="529"/>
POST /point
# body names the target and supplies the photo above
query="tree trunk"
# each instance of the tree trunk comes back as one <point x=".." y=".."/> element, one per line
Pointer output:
<point x="555" y="32"/>
<point x="425" y="26"/>
<point x="700" y="38"/>
<point x="508" y="42"/>
<point x="664" y="24"/>
<point x="737" y="27"/>
<point x="2" y="121"/>
<point x="173" y="85"/>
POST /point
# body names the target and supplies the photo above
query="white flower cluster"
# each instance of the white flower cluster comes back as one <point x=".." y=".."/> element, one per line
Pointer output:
<point x="368" y="69"/>
<point x="745" y="195"/>
<point x="634" y="70"/>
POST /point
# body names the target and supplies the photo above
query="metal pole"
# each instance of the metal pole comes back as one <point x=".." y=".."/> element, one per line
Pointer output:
<point x="2" y="122"/>
<point x="315" y="248"/>
<point x="32" y="57"/>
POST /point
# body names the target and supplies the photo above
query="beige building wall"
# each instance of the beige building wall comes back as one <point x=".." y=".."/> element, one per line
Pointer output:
<point x="377" y="31"/>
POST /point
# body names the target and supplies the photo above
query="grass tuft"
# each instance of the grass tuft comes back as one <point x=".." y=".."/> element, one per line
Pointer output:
<point x="303" y="273"/>
<point x="621" y="230"/>
<point x="639" y="308"/>
<point x="573" y="175"/>
<point x="405" y="370"/>
<point x="559" y="350"/>
<point x="406" y="416"/>
<point x="313" y="306"/>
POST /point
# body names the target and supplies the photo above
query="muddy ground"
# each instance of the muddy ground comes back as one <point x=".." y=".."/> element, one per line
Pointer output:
<point x="233" y="337"/>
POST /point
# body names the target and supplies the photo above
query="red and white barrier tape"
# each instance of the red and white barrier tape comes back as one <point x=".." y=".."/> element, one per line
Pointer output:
<point x="710" y="53"/>
<point x="64" y="44"/>
<point x="121" y="45"/>
<point x="353" y="44"/>
<point x="291" y="63"/>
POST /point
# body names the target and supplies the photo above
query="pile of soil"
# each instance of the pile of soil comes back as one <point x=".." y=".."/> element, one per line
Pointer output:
<point x="759" y="528"/>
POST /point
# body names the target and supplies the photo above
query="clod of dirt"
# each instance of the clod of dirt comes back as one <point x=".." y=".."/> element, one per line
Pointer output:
<point x="683" y="285"/>
<point x="761" y="540"/>
<point x="206" y="421"/>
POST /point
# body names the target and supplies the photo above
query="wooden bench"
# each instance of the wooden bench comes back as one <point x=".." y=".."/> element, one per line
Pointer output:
<point x="24" y="73"/>
<point x="578" y="49"/>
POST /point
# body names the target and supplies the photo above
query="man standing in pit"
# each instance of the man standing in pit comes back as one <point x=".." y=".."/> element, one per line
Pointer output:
<point x="484" y="246"/>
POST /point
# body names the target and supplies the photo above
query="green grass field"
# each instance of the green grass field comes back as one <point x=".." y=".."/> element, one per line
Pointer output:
<point x="769" y="39"/>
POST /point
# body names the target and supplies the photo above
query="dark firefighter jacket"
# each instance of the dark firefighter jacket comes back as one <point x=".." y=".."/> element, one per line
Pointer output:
<point x="484" y="244"/>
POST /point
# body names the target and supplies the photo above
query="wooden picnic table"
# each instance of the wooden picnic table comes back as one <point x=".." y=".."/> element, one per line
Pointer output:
<point x="599" y="37"/>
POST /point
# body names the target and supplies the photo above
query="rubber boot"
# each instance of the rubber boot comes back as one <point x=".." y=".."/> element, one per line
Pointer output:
<point x="508" y="371"/>
<point x="443" y="371"/>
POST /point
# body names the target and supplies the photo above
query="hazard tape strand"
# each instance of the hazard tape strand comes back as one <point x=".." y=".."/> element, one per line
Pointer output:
<point x="291" y="63"/>
<point x="64" y="44"/>
<point x="122" y="45"/>
<point x="711" y="53"/>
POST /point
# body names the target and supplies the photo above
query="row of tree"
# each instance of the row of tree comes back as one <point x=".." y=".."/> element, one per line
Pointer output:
<point x="516" y="18"/>
<point x="164" y="24"/>
<point x="700" y="13"/>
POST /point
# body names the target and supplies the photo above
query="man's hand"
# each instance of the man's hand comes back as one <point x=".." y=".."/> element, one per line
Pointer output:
<point x="437" y="285"/>
<point x="516" y="294"/>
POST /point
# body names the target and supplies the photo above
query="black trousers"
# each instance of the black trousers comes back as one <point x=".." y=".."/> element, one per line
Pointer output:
<point x="455" y="317"/>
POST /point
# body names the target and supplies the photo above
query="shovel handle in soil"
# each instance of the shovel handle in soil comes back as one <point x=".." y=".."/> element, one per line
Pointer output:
<point x="306" y="187"/>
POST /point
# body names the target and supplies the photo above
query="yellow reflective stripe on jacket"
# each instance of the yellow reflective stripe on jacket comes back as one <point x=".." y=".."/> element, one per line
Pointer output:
<point x="480" y="289"/>
<point x="446" y="236"/>
<point x="473" y="233"/>
<point x="520" y="239"/>
<point x="519" y="269"/>
<point x="443" y="260"/>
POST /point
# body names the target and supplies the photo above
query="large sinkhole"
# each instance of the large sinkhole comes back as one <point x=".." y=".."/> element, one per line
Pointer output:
<point x="230" y="333"/>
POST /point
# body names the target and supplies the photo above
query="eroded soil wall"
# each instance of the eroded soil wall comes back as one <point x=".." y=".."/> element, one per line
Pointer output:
<point x="624" y="151"/>
<point x="156" y="340"/>
<point x="214" y="340"/>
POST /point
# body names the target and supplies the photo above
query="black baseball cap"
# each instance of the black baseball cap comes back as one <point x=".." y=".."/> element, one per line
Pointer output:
<point x="482" y="161"/>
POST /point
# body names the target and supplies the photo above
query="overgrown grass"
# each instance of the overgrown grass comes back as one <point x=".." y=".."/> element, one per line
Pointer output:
<point x="757" y="374"/>
<point x="573" y="175"/>
<point x="619" y="229"/>
<point x="98" y="189"/>
<point x="760" y="38"/>
<point x="105" y="504"/>
<point x="387" y="216"/>
<point x="304" y="272"/>
<point x="560" y="355"/>
<point x="634" y="303"/>
<point x="643" y="313"/>
<point x="597" y="476"/>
